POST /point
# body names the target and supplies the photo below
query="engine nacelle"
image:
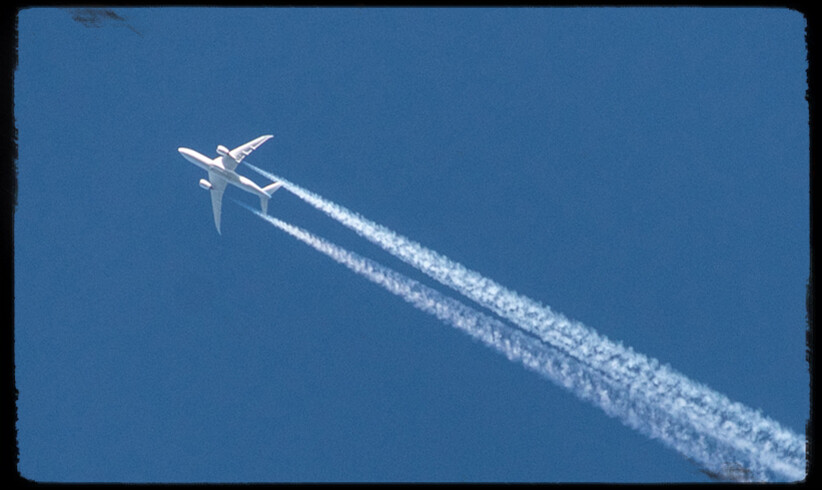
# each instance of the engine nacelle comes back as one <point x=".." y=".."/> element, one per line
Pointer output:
<point x="223" y="151"/>
<point x="205" y="184"/>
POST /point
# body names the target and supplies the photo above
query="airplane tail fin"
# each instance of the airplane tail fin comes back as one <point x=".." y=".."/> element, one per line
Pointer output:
<point x="267" y="191"/>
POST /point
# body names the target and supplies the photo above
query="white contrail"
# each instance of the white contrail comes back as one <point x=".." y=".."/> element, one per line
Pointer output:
<point x="761" y="439"/>
<point x="586" y="383"/>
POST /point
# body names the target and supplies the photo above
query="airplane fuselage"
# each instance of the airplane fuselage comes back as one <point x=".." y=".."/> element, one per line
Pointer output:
<point x="215" y="167"/>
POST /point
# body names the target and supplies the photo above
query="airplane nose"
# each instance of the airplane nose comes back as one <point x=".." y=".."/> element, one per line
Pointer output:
<point x="194" y="157"/>
<point x="186" y="152"/>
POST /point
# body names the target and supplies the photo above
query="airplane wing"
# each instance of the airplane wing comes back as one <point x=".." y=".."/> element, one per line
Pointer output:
<point x="218" y="185"/>
<point x="244" y="150"/>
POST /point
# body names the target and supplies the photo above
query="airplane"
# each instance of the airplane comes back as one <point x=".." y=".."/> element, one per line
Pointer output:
<point x="221" y="172"/>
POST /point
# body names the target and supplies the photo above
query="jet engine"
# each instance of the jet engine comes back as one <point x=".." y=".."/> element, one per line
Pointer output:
<point x="223" y="151"/>
<point x="205" y="184"/>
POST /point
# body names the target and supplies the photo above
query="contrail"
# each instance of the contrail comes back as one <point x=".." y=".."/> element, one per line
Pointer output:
<point x="585" y="382"/>
<point x="762" y="440"/>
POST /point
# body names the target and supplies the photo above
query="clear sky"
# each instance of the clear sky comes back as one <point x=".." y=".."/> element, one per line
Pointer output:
<point x="644" y="171"/>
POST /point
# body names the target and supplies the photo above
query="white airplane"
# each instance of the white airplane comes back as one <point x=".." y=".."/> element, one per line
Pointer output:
<point x="221" y="172"/>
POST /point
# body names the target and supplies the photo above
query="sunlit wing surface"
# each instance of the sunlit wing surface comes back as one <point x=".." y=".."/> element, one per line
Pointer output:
<point x="218" y="185"/>
<point x="243" y="151"/>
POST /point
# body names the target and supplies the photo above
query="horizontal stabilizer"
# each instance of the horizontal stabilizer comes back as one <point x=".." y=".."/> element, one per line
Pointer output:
<point x="264" y="204"/>
<point x="269" y="189"/>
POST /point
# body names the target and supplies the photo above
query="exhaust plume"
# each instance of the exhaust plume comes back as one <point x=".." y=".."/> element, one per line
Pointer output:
<point x="583" y="381"/>
<point x="760" y="439"/>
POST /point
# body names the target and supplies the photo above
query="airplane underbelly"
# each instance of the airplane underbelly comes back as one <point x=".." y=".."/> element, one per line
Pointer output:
<point x="196" y="158"/>
<point x="247" y="185"/>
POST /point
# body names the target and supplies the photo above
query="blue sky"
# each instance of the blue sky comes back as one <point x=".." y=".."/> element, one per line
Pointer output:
<point x="644" y="171"/>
